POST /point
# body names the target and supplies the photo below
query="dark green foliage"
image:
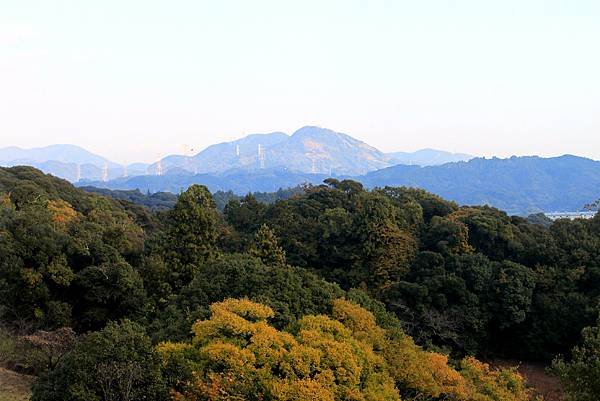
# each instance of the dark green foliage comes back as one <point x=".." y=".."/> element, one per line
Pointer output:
<point x="480" y="283"/>
<point x="51" y="236"/>
<point x="470" y="280"/>
<point x="513" y="288"/>
<point x="223" y="198"/>
<point x="266" y="247"/>
<point x="191" y="233"/>
<point x="351" y="236"/>
<point x="106" y="293"/>
<point x="290" y="291"/>
<point x="157" y="201"/>
<point x="540" y="219"/>
<point x="581" y="374"/>
<point x="116" y="363"/>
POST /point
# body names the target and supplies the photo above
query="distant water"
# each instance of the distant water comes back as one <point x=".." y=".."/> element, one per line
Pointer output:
<point x="570" y="215"/>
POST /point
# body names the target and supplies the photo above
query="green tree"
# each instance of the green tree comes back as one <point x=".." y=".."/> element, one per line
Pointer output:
<point x="117" y="363"/>
<point x="192" y="232"/>
<point x="581" y="375"/>
<point x="291" y="291"/>
<point x="108" y="292"/>
<point x="513" y="287"/>
<point x="266" y="247"/>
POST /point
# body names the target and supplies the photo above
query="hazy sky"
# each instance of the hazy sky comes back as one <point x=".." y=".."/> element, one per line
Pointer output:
<point x="135" y="80"/>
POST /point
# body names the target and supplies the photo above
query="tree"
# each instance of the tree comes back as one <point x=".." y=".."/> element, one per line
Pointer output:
<point x="109" y="292"/>
<point x="191" y="233"/>
<point x="266" y="247"/>
<point x="593" y="206"/>
<point x="581" y="375"/>
<point x="51" y="345"/>
<point x="513" y="286"/>
<point x="290" y="291"/>
<point x="117" y="363"/>
<point x="236" y="354"/>
<point x="243" y="357"/>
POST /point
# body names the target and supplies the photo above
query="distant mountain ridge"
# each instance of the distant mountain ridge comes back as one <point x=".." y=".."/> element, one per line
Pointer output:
<point x="70" y="162"/>
<point x="310" y="149"/>
<point x="57" y="153"/>
<point x="427" y="157"/>
<point x="268" y="162"/>
<point x="518" y="185"/>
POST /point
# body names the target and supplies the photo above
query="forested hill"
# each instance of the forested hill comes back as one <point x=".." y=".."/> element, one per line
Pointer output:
<point x="519" y="185"/>
<point x="332" y="294"/>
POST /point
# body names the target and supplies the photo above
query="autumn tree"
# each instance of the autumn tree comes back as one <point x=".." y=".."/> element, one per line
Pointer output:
<point x="243" y="357"/>
<point x="236" y="354"/>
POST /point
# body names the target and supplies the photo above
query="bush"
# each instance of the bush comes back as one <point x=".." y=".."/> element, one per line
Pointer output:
<point x="116" y="363"/>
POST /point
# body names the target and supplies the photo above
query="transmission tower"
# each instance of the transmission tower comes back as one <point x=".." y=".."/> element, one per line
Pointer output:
<point x="261" y="156"/>
<point x="105" y="172"/>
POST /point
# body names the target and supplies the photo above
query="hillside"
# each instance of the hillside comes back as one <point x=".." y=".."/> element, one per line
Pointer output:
<point x="238" y="181"/>
<point x="519" y="185"/>
<point x="376" y="281"/>
<point x="427" y="157"/>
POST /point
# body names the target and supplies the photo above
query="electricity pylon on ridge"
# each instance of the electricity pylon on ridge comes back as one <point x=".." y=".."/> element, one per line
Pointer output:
<point x="261" y="156"/>
<point x="105" y="172"/>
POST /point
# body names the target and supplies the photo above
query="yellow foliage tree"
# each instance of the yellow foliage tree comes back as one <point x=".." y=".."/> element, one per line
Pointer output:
<point x="5" y="201"/>
<point x="62" y="213"/>
<point x="237" y="355"/>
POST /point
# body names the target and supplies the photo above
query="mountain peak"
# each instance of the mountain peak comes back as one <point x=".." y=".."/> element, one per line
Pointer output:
<point x="312" y="131"/>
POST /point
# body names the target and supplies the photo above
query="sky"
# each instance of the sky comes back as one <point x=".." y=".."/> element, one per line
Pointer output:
<point x="137" y="80"/>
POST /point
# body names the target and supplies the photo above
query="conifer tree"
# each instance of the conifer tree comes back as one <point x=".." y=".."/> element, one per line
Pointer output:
<point x="266" y="247"/>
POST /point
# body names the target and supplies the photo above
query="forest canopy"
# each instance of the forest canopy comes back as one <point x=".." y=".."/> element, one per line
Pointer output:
<point x="334" y="292"/>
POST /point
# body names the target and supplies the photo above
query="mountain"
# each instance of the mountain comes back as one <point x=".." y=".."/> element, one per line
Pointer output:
<point x="70" y="162"/>
<point x="242" y="153"/>
<point x="239" y="181"/>
<point x="519" y="185"/>
<point x="427" y="157"/>
<point x="58" y="153"/>
<point x="320" y="150"/>
<point x="308" y="150"/>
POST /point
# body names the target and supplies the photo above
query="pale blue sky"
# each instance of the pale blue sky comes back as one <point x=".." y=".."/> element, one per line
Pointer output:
<point x="135" y="80"/>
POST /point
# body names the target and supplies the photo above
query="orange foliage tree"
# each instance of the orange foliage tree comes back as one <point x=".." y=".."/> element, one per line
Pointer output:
<point x="237" y="355"/>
